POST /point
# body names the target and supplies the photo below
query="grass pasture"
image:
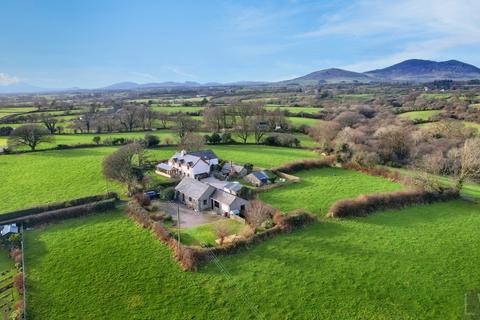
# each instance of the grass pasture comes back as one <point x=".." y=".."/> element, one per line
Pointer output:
<point x="318" y="189"/>
<point x="415" y="263"/>
<point x="311" y="110"/>
<point x="172" y="109"/>
<point x="207" y="233"/>
<point x="41" y="177"/>
<point x="421" y="115"/>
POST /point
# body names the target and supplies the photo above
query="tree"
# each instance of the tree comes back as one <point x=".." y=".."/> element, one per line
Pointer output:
<point x="244" y="125"/>
<point x="214" y="118"/>
<point x="129" y="117"/>
<point x="257" y="212"/>
<point x="29" y="135"/>
<point x="125" y="166"/>
<point x="324" y="132"/>
<point x="470" y="166"/>
<point x="97" y="139"/>
<point x="163" y="117"/>
<point x="191" y="142"/>
<point x="185" y="124"/>
<point x="50" y="122"/>
<point x="151" y="140"/>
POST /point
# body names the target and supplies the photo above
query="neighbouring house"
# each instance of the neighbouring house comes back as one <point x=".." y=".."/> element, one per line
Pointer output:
<point x="194" y="194"/>
<point x="260" y="178"/>
<point x="210" y="194"/>
<point x="229" y="168"/>
<point x="195" y="165"/>
<point x="8" y="229"/>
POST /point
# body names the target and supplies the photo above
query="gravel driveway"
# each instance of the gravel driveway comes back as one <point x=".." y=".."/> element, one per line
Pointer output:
<point x="188" y="217"/>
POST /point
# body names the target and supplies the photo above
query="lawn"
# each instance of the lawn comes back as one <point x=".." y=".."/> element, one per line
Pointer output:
<point x="422" y="115"/>
<point x="206" y="234"/>
<point x="415" y="263"/>
<point x="49" y="176"/>
<point x="320" y="188"/>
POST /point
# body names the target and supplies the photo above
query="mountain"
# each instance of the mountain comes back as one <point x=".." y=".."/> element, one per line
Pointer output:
<point x="332" y="75"/>
<point x="417" y="70"/>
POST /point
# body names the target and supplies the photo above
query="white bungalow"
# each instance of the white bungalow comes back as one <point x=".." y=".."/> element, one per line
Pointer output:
<point x="195" y="165"/>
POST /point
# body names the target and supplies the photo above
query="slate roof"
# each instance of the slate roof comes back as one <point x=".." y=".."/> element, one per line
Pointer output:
<point x="164" y="166"/>
<point x="260" y="175"/>
<point x="194" y="188"/>
<point x="226" y="198"/>
<point x="9" y="228"/>
<point x="204" y="154"/>
<point x="234" y="186"/>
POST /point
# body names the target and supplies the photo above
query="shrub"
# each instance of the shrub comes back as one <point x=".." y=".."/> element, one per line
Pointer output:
<point x="16" y="255"/>
<point x="97" y="139"/>
<point x="5" y="131"/>
<point x="151" y="141"/>
<point x="257" y="212"/>
<point x="18" y="282"/>
<point x="215" y="138"/>
<point x="142" y="199"/>
<point x="282" y="139"/>
<point x="167" y="194"/>
<point x="227" y="138"/>
<point x="267" y="224"/>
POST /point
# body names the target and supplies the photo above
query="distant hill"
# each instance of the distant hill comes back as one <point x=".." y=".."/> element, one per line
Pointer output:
<point x="21" y="87"/>
<point x="425" y="70"/>
<point x="332" y="75"/>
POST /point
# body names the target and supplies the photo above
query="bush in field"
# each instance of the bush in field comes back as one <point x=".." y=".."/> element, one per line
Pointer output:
<point x="227" y="137"/>
<point x="282" y="140"/>
<point x="215" y="138"/>
<point x="151" y="141"/>
<point x="5" y="131"/>
<point x="97" y="139"/>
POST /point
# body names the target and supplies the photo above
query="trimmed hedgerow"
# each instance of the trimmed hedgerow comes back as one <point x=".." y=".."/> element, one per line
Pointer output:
<point x="300" y="165"/>
<point x="57" y="206"/>
<point x="191" y="258"/>
<point x="365" y="204"/>
<point x="66" y="213"/>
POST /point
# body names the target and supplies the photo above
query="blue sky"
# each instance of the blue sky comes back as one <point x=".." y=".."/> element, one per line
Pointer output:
<point x="92" y="43"/>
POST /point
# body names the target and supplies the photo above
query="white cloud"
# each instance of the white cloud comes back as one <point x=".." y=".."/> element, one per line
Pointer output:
<point x="6" y="79"/>
<point x="423" y="28"/>
<point x="180" y="72"/>
<point x="144" y="76"/>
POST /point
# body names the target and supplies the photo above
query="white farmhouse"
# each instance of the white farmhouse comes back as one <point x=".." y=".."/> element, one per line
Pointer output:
<point x="195" y="165"/>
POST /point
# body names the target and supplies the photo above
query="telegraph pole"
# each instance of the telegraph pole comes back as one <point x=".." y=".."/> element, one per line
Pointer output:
<point x="178" y="225"/>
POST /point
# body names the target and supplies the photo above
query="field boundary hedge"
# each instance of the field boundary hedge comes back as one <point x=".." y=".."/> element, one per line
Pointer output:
<point x="363" y="205"/>
<point x="65" y="213"/>
<point x="191" y="258"/>
<point x="56" y="206"/>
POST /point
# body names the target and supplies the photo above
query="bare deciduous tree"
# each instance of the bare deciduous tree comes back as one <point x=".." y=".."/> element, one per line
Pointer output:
<point x="257" y="212"/>
<point x="470" y="168"/>
<point x="29" y="135"/>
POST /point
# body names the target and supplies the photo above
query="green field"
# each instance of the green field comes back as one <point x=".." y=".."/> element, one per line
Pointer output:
<point x="311" y="110"/>
<point x="434" y="96"/>
<point x="416" y="263"/>
<point x="172" y="109"/>
<point x="320" y="188"/>
<point x="16" y="109"/>
<point x="37" y="178"/>
<point x="298" y="121"/>
<point x="421" y="115"/>
<point x="466" y="123"/>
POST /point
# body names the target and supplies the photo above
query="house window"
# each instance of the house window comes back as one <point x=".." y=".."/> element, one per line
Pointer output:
<point x="190" y="199"/>
<point x="204" y="202"/>
<point x="216" y="204"/>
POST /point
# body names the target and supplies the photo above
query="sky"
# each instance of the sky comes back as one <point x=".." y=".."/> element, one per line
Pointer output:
<point x="94" y="43"/>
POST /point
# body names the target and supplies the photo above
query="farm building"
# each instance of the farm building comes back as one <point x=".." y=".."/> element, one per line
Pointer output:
<point x="260" y="178"/>
<point x="230" y="168"/>
<point x="188" y="164"/>
<point x="210" y="194"/>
